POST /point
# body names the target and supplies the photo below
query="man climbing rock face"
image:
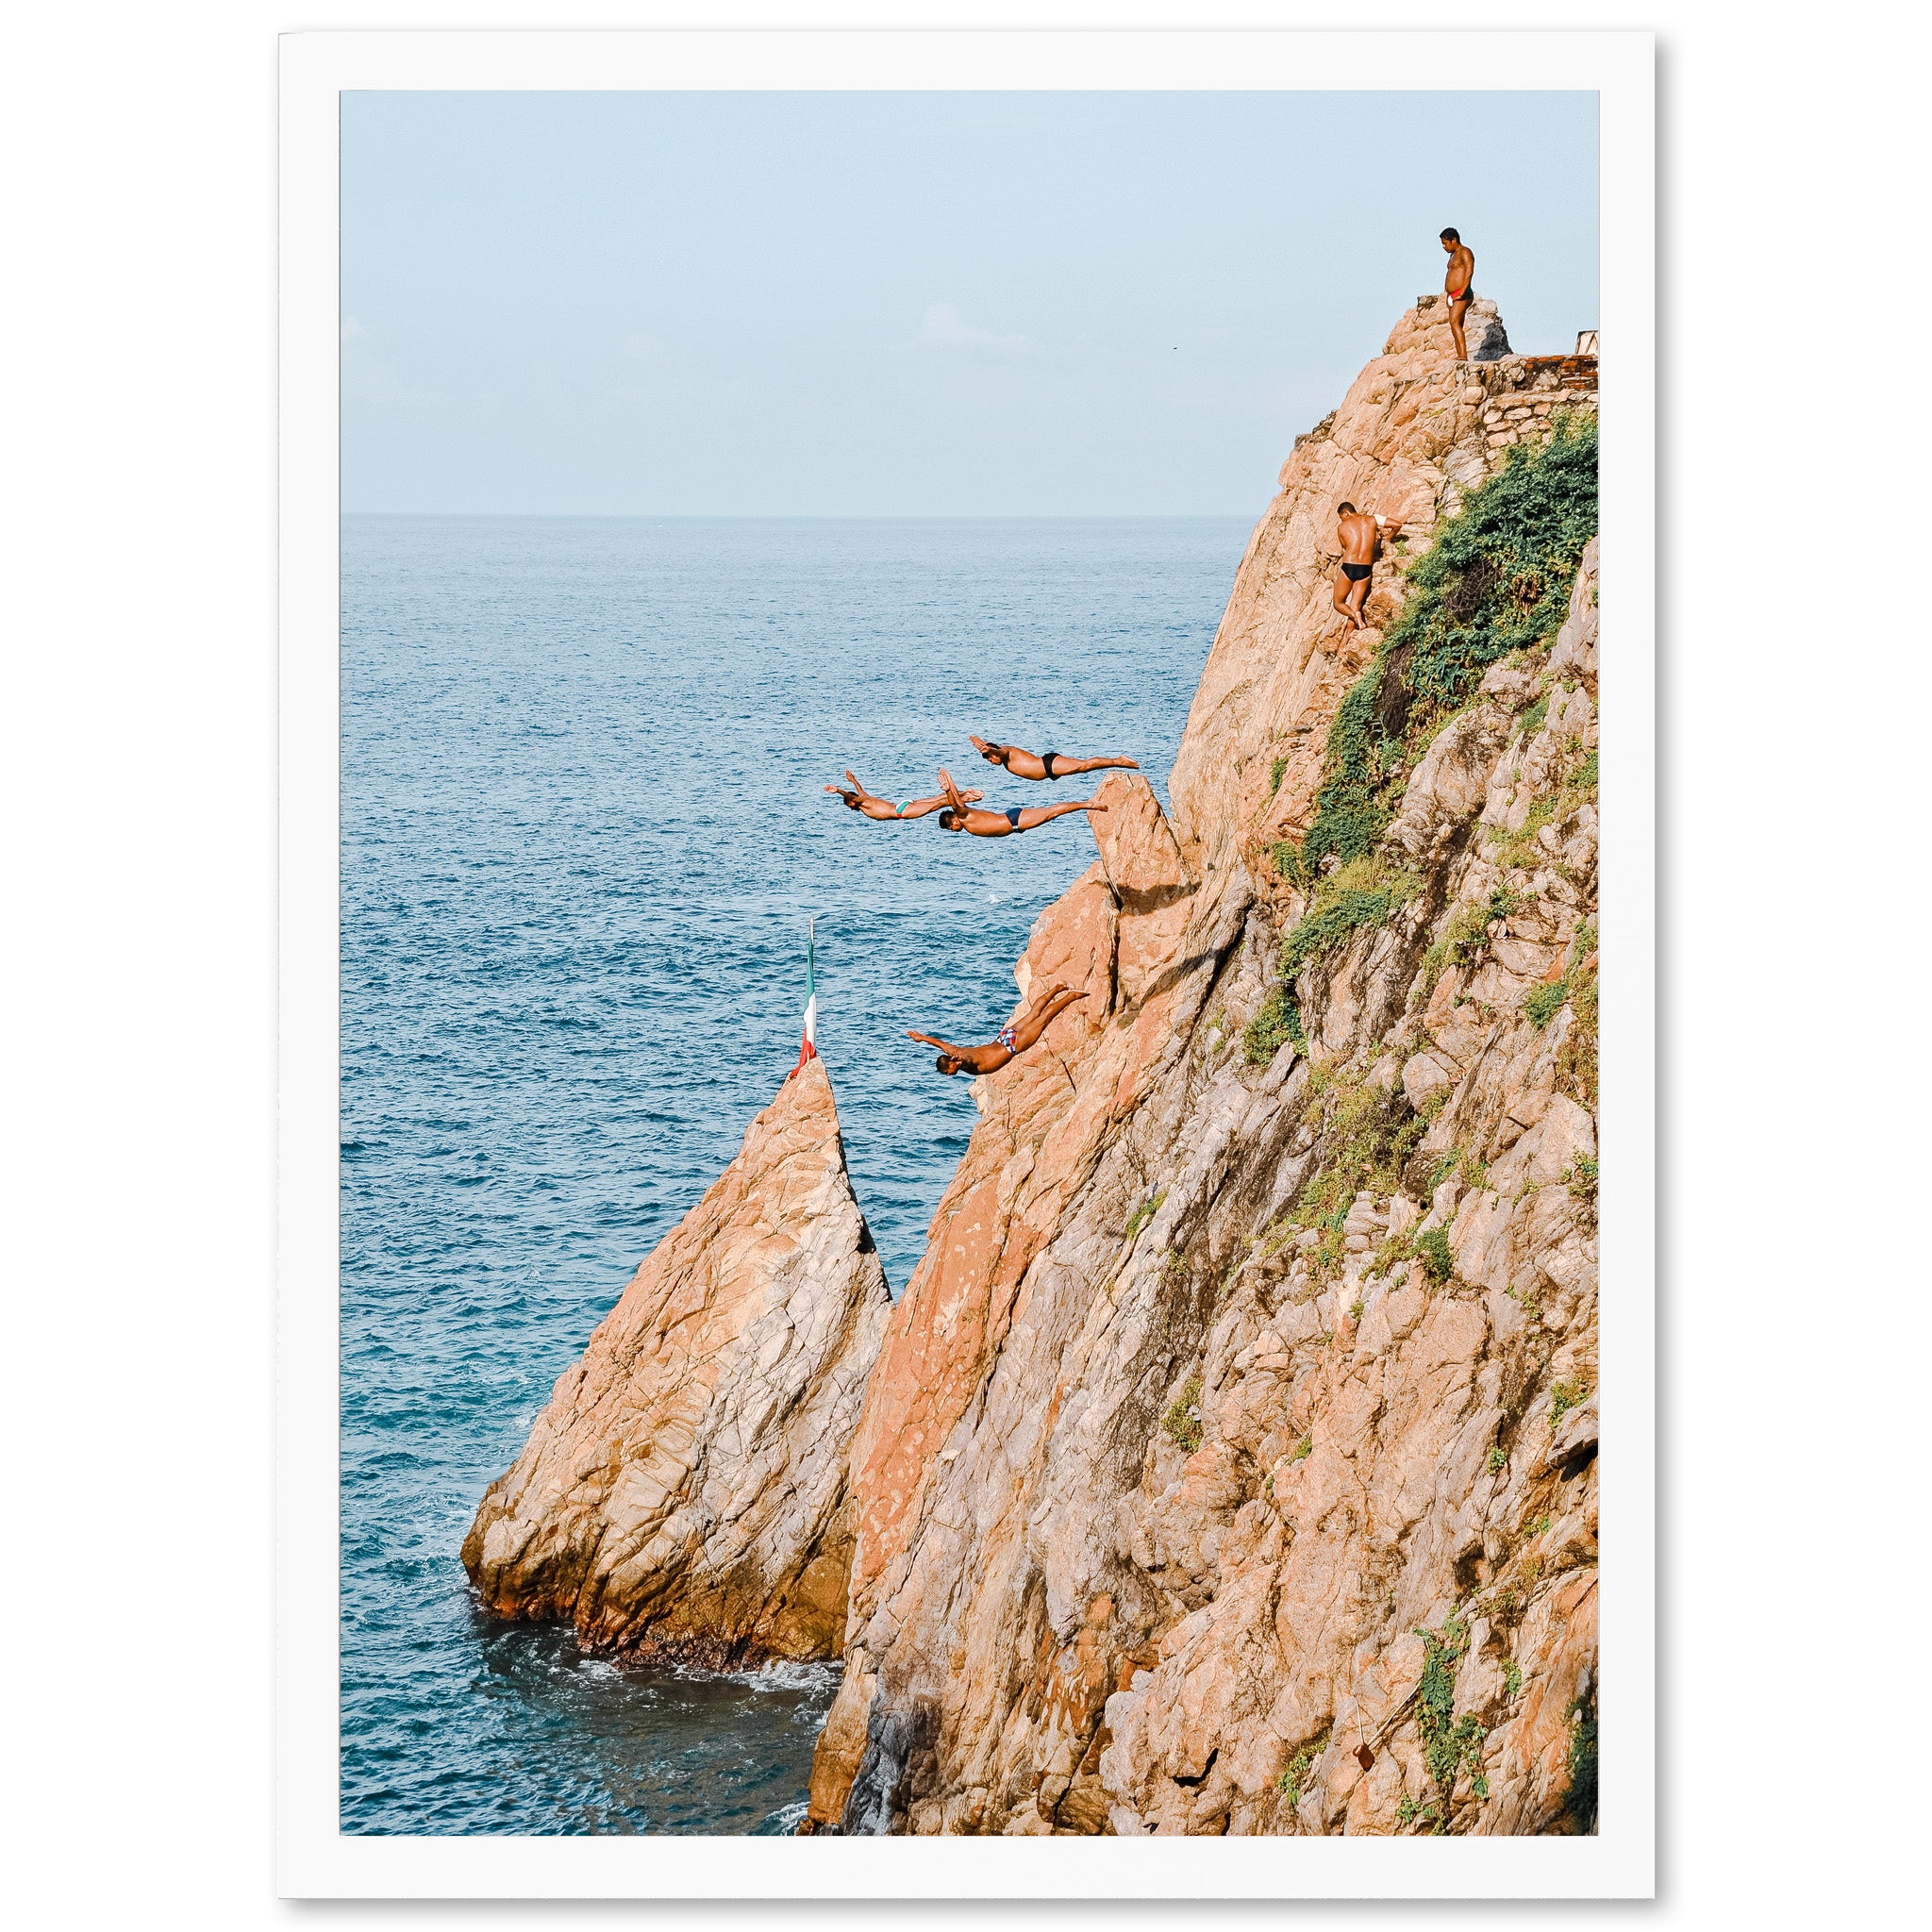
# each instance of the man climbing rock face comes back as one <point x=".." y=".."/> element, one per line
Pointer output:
<point x="1014" y="1039"/>
<point x="1458" y="285"/>
<point x="1358" y="535"/>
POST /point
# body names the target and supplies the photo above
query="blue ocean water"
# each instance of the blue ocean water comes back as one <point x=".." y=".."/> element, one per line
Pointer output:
<point x="582" y="829"/>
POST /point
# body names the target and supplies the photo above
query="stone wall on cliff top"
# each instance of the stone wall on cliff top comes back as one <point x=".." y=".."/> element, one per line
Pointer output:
<point x="1155" y="1487"/>
<point x="684" y="1490"/>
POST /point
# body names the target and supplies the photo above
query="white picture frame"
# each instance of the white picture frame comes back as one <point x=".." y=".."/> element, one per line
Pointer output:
<point x="315" y="1858"/>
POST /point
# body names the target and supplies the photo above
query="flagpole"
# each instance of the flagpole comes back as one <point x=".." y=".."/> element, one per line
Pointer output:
<point x="808" y="1046"/>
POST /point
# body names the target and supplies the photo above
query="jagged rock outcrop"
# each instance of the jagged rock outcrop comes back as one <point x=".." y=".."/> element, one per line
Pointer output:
<point x="685" y="1491"/>
<point x="1240" y="1417"/>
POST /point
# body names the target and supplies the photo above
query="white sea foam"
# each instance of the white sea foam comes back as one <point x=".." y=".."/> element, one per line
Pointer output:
<point x="795" y="1676"/>
<point x="784" y="1822"/>
<point x="777" y="1674"/>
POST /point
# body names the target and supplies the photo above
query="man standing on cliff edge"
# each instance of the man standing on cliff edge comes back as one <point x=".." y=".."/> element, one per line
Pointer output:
<point x="1358" y="535"/>
<point x="1458" y="285"/>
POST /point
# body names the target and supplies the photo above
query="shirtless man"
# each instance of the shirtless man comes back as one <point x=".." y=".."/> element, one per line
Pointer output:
<point x="859" y="799"/>
<point x="1048" y="764"/>
<point x="957" y="815"/>
<point x="1358" y="534"/>
<point x="1457" y="286"/>
<point x="1012" y="1038"/>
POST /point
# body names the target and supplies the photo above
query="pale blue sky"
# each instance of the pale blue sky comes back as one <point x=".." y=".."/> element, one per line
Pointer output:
<point x="928" y="305"/>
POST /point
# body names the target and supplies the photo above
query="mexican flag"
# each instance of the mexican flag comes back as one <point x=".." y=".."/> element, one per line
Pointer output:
<point x="808" y="1049"/>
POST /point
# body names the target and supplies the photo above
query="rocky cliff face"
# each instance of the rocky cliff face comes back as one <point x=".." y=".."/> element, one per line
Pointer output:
<point x="685" y="1491"/>
<point x="1229" y="1462"/>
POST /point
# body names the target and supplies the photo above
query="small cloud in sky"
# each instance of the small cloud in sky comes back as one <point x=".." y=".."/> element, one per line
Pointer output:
<point x="944" y="328"/>
<point x="641" y="347"/>
<point x="352" y="330"/>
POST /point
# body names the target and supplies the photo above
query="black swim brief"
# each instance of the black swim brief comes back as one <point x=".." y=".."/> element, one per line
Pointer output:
<point x="1014" y="816"/>
<point x="1046" y="759"/>
<point x="1355" y="573"/>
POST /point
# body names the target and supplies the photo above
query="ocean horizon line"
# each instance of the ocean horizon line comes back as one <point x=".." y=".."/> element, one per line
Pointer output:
<point x="535" y="516"/>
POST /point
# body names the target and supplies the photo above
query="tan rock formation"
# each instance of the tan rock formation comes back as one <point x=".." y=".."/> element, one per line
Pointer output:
<point x="1167" y="1502"/>
<point x="685" y="1491"/>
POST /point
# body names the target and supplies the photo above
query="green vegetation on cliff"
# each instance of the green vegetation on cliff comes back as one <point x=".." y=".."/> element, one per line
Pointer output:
<point x="1278" y="1020"/>
<point x="1450" y="1745"/>
<point x="1579" y="1798"/>
<point x="1362" y="892"/>
<point x="1182" y="1420"/>
<point x="1496" y="579"/>
<point x="1369" y="1136"/>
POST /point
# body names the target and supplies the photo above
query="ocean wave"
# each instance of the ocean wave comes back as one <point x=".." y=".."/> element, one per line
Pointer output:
<point x="779" y="1673"/>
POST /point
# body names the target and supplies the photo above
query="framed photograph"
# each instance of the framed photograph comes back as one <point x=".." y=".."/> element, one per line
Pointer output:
<point x="967" y="1001"/>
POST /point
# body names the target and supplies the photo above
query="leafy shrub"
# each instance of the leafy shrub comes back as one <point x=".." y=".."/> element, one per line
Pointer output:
<point x="1287" y="858"/>
<point x="1447" y="1744"/>
<point x="1564" y="1397"/>
<point x="1541" y="1004"/>
<point x="1279" y="1019"/>
<point x="1349" y="810"/>
<point x="1466" y="937"/>
<point x="1275" y="771"/>
<point x="1393" y="1248"/>
<point x="1369" y="1136"/>
<point x="1438" y="1265"/>
<point x="1576" y="1058"/>
<point x="1294" y="1780"/>
<point x="1363" y="893"/>
<point x="1579" y="1798"/>
<point x="1181" y="1423"/>
<point x="1410" y="1811"/>
<point x="1498" y="577"/>
<point x="1143" y="1214"/>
